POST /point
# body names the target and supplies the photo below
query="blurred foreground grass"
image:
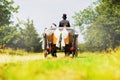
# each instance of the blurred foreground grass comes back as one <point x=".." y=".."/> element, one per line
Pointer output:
<point x="87" y="66"/>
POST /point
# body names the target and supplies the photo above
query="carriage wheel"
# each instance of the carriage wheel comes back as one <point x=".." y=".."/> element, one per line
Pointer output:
<point x="45" y="45"/>
<point x="45" y="53"/>
<point x="75" y="43"/>
<point x="75" y="53"/>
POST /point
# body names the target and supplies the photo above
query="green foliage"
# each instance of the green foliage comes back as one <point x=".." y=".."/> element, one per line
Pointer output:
<point x="27" y="37"/>
<point x="6" y="34"/>
<point x="85" y="17"/>
<point x="22" y="36"/>
<point x="100" y="24"/>
<point x="100" y="39"/>
<point x="82" y="47"/>
<point x="6" y="11"/>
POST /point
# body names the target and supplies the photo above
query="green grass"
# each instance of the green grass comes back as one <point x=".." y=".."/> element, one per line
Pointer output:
<point x="10" y="51"/>
<point x="87" y="66"/>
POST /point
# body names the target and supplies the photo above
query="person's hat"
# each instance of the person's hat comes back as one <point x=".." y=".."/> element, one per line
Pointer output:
<point x="64" y="16"/>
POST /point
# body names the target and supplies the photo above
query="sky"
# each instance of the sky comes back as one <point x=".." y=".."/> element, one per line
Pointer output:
<point x="46" y="12"/>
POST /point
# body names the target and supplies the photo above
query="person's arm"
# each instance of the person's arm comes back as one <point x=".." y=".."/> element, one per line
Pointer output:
<point x="68" y="24"/>
<point x="60" y="25"/>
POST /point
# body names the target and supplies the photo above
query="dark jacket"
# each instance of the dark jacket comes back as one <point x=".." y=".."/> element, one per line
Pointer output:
<point x="64" y="23"/>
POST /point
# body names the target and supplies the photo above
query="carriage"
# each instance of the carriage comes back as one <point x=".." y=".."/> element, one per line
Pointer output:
<point x="62" y="39"/>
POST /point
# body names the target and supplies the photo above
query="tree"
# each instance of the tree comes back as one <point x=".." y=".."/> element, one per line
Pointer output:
<point x="6" y="34"/>
<point x="109" y="13"/>
<point x="6" y="11"/>
<point x="23" y="35"/>
<point x="28" y="38"/>
<point x="102" y="23"/>
<point x="85" y="17"/>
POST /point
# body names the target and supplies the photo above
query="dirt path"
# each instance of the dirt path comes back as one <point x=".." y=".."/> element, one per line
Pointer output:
<point x="31" y="57"/>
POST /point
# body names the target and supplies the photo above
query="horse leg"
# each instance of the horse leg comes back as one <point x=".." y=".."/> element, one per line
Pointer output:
<point x="54" y="51"/>
<point x="67" y="51"/>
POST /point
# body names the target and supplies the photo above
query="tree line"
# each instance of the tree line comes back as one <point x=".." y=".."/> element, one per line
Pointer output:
<point x="19" y="36"/>
<point x="100" y="25"/>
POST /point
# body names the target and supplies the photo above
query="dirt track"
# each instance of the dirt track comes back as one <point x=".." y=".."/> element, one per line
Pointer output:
<point x="31" y="57"/>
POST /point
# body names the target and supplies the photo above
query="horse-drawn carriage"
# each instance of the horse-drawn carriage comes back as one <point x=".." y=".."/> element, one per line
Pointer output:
<point x="62" y="38"/>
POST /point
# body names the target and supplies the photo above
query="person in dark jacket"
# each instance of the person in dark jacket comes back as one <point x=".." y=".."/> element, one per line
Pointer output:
<point x="64" y="22"/>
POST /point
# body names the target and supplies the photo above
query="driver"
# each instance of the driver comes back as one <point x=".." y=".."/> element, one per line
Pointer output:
<point x="64" y="22"/>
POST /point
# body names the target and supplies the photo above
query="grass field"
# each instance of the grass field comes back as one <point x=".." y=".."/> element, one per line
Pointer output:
<point x="87" y="66"/>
